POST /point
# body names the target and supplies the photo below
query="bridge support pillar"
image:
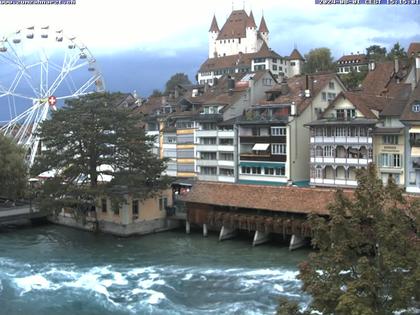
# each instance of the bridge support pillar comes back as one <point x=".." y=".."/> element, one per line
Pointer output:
<point x="187" y="227"/>
<point x="226" y="233"/>
<point x="260" y="238"/>
<point x="205" y="230"/>
<point x="297" y="242"/>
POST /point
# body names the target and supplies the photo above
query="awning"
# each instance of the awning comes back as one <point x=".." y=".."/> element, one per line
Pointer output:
<point x="414" y="130"/>
<point x="415" y="151"/>
<point x="260" y="147"/>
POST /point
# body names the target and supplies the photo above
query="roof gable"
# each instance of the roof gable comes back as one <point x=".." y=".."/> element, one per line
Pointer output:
<point x="235" y="25"/>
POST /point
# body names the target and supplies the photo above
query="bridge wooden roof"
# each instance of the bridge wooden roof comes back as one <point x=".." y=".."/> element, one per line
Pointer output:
<point x="273" y="198"/>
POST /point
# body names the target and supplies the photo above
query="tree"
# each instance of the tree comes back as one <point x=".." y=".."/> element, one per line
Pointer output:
<point x="376" y="53"/>
<point x="156" y="93"/>
<point x="88" y="140"/>
<point x="353" y="79"/>
<point x="177" y="78"/>
<point x="13" y="170"/>
<point x="397" y="52"/>
<point x="319" y="59"/>
<point x="368" y="252"/>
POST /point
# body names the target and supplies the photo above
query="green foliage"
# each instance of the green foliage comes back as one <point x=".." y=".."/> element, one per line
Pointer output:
<point x="397" y="52"/>
<point x="156" y="93"/>
<point x="287" y="307"/>
<point x="353" y="79"/>
<point x="177" y="78"/>
<point x="88" y="140"/>
<point x="319" y="59"/>
<point x="13" y="170"/>
<point x="376" y="53"/>
<point x="368" y="252"/>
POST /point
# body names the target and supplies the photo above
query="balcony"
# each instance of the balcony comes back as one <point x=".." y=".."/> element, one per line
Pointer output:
<point x="206" y="147"/>
<point x="352" y="140"/>
<point x="206" y="133"/>
<point x="203" y="162"/>
<point x="262" y="157"/>
<point x="226" y="134"/>
<point x="333" y="182"/>
<point x="343" y="161"/>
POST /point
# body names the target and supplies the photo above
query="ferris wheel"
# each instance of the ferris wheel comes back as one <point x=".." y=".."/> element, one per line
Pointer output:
<point x="39" y="69"/>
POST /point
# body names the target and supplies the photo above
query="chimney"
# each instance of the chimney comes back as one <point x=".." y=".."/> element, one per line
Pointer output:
<point x="230" y="85"/>
<point x="417" y="67"/>
<point x="372" y="65"/>
<point x="396" y="69"/>
<point x="307" y="87"/>
<point x="293" y="109"/>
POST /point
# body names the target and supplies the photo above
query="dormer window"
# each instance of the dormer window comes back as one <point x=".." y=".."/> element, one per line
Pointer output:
<point x="211" y="110"/>
<point x="415" y="108"/>
<point x="345" y="114"/>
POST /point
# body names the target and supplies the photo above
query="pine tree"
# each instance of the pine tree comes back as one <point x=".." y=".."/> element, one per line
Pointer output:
<point x="88" y="142"/>
<point x="368" y="252"/>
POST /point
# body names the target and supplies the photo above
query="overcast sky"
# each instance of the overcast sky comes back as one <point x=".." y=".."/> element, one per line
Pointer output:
<point x="168" y="27"/>
<point x="156" y="38"/>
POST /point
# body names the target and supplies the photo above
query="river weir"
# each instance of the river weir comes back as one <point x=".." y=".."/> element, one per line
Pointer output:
<point x="57" y="270"/>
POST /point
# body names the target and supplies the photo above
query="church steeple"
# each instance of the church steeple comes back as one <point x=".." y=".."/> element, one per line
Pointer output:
<point x="214" y="27"/>
<point x="263" y="26"/>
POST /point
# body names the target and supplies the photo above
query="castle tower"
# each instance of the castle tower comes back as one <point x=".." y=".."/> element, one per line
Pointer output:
<point x="251" y="34"/>
<point x="263" y="30"/>
<point x="213" y="34"/>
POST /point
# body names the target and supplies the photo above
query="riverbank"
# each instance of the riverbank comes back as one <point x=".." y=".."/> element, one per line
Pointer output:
<point x="57" y="270"/>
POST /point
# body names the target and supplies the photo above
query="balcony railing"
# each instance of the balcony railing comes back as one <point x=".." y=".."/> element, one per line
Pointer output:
<point x="338" y="160"/>
<point x="334" y="182"/>
<point x="357" y="140"/>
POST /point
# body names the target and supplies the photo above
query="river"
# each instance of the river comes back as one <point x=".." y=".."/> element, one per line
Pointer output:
<point x="56" y="270"/>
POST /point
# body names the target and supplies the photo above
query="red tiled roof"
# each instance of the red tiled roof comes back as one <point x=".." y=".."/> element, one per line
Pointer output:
<point x="296" y="55"/>
<point x="413" y="49"/>
<point x="359" y="58"/>
<point x="408" y="113"/>
<point x="251" y="21"/>
<point x="296" y="90"/>
<point x="286" y="199"/>
<point x="376" y="81"/>
<point x="238" y="60"/>
<point x="263" y="26"/>
<point x="235" y="25"/>
<point x="214" y="27"/>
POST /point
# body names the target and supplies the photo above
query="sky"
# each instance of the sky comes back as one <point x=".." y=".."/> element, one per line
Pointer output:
<point x="140" y="44"/>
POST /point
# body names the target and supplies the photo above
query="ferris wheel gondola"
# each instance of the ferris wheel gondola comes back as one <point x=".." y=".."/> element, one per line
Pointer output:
<point x="39" y="72"/>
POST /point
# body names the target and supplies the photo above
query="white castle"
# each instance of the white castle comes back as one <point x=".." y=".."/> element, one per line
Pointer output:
<point x="240" y="47"/>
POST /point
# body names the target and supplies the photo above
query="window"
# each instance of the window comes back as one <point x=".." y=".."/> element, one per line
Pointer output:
<point x="209" y="126"/>
<point x="256" y="131"/>
<point x="208" y="155"/>
<point x="278" y="131"/>
<point x="135" y="207"/>
<point x="318" y="151"/>
<point x="274" y="171"/>
<point x="207" y="140"/>
<point x="341" y="132"/>
<point x="210" y="110"/>
<point x="226" y="141"/>
<point x="267" y="81"/>
<point x="274" y="60"/>
<point x="184" y="124"/>
<point x="331" y="85"/>
<point x="278" y="148"/>
<point x="390" y="160"/>
<point x="163" y="203"/>
<point x="251" y="170"/>
<point x="104" y="205"/>
<point x="331" y="96"/>
<point x="318" y="172"/>
<point x="206" y="170"/>
<point x="328" y="151"/>
<point x="293" y="63"/>
<point x="169" y="139"/>
<point x="259" y="67"/>
<point x="324" y="96"/>
<point x="274" y="67"/>
<point x="390" y="139"/>
<point x="226" y="172"/>
<point x="226" y="156"/>
<point x="415" y="108"/>
<point x="412" y="178"/>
